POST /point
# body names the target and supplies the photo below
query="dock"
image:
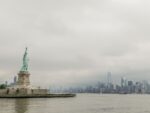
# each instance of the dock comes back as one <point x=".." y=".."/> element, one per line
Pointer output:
<point x="38" y="96"/>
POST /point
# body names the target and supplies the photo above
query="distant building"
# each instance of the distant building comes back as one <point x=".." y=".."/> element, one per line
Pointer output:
<point x="109" y="80"/>
<point x="15" y="80"/>
<point x="123" y="82"/>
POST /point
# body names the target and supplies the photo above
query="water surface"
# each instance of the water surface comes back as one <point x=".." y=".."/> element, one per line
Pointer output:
<point x="83" y="103"/>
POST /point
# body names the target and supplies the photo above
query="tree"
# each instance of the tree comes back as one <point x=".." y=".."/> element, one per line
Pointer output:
<point x="3" y="86"/>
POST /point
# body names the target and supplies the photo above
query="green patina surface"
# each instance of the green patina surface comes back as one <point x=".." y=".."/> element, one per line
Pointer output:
<point x="24" y="67"/>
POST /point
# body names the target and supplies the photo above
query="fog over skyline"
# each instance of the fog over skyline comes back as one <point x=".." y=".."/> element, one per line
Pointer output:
<point x="75" y="41"/>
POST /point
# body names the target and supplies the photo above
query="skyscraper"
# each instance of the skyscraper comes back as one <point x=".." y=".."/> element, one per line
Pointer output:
<point x="109" y="80"/>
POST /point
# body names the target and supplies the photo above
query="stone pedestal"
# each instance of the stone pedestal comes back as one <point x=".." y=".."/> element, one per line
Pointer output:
<point x="23" y="79"/>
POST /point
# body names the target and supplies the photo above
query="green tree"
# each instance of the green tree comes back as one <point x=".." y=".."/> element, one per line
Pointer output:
<point x="3" y="86"/>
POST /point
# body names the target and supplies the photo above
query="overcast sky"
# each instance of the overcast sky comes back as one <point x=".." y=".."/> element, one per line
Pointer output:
<point x="75" y="41"/>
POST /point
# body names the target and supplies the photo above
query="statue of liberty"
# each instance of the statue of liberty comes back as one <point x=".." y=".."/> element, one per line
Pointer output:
<point x="25" y="62"/>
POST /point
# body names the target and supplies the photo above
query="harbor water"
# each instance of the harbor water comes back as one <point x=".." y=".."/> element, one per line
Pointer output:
<point x="82" y="103"/>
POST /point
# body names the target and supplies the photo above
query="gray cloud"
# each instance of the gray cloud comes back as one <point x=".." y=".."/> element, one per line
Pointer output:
<point x="75" y="41"/>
